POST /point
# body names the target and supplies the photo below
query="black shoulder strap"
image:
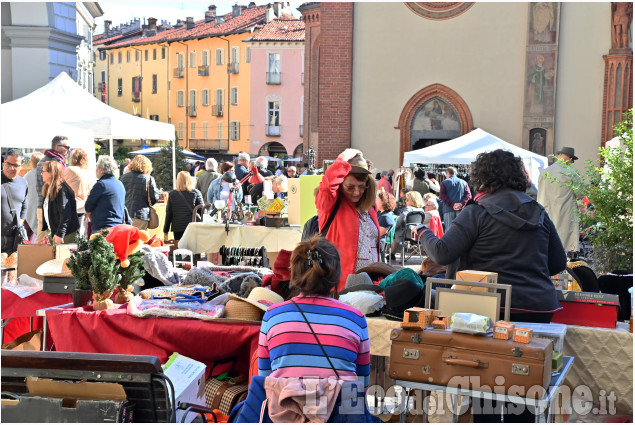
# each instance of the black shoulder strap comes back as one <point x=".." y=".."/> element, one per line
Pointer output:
<point x="327" y="226"/>
<point x="10" y="199"/>
<point x="316" y="338"/>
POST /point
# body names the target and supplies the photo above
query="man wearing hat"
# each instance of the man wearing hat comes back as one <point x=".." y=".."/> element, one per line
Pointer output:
<point x="558" y="198"/>
<point x="419" y="184"/>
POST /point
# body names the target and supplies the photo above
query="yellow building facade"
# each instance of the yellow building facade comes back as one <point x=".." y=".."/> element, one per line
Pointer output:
<point x="209" y="93"/>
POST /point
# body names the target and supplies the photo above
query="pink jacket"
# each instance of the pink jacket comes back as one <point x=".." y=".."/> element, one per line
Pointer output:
<point x="294" y="400"/>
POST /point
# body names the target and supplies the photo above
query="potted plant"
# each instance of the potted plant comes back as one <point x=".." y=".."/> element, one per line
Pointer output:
<point x="79" y="263"/>
<point x="103" y="272"/>
<point x="129" y="275"/>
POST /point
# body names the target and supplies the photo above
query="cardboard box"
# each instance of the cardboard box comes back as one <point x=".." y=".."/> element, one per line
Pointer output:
<point x="301" y="206"/>
<point x="475" y="276"/>
<point x="30" y="257"/>
<point x="587" y="309"/>
<point x="63" y="401"/>
<point x="188" y="378"/>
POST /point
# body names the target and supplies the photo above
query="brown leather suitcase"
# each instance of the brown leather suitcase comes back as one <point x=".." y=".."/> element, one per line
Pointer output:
<point x="443" y="357"/>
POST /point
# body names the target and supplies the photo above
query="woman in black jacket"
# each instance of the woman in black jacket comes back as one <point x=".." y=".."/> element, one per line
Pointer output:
<point x="507" y="232"/>
<point x="181" y="204"/>
<point x="140" y="186"/>
<point x="59" y="208"/>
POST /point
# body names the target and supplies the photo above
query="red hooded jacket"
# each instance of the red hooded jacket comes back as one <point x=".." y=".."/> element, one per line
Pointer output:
<point x="344" y="230"/>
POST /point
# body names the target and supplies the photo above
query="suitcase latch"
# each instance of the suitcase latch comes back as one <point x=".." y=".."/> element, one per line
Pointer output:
<point x="416" y="338"/>
<point x="520" y="369"/>
<point x="410" y="353"/>
<point x="517" y="352"/>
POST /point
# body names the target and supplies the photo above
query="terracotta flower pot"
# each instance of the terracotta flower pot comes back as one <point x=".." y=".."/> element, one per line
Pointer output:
<point x="82" y="297"/>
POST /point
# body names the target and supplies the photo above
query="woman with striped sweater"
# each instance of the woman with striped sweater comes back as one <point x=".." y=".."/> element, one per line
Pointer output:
<point x="312" y="335"/>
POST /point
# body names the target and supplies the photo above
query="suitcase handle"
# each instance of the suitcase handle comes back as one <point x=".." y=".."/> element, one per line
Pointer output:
<point x="461" y="362"/>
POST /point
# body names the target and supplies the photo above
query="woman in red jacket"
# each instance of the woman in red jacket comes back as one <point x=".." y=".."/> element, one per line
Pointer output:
<point x="354" y="230"/>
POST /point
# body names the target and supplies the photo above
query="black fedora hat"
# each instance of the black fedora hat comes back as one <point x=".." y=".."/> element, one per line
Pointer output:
<point x="400" y="296"/>
<point x="570" y="152"/>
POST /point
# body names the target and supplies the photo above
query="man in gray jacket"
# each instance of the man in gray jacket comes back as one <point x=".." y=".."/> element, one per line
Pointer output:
<point x="16" y="188"/>
<point x="205" y="179"/>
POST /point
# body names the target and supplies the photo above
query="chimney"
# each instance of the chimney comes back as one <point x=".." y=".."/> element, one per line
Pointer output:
<point x="210" y="14"/>
<point x="179" y="23"/>
<point x="107" y="25"/>
<point x="152" y="23"/>
<point x="269" y="16"/>
<point x="236" y="10"/>
<point x="276" y="8"/>
<point x="251" y="4"/>
<point x="220" y="19"/>
<point x="189" y="22"/>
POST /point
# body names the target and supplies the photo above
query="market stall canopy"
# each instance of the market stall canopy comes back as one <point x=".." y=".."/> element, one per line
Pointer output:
<point x="17" y="132"/>
<point x="63" y="100"/>
<point x="155" y="151"/>
<point x="464" y="149"/>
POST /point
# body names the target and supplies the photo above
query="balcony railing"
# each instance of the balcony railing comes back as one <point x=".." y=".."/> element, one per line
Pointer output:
<point x="272" y="130"/>
<point x="203" y="71"/>
<point x="179" y="72"/>
<point x="211" y="144"/>
<point x="232" y="68"/>
<point x="274" y="77"/>
<point x="301" y="130"/>
<point x="191" y="111"/>
<point x="136" y="97"/>
<point x="217" y="110"/>
<point x="303" y="78"/>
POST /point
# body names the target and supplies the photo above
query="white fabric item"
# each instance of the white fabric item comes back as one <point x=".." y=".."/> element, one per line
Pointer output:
<point x="45" y="212"/>
<point x="224" y="191"/>
<point x="464" y="149"/>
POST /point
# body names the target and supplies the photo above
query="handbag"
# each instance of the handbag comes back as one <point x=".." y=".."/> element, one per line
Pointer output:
<point x="20" y="235"/>
<point x="225" y="394"/>
<point x="153" y="223"/>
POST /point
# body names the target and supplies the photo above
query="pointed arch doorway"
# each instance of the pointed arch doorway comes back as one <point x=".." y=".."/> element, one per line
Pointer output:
<point x="433" y="115"/>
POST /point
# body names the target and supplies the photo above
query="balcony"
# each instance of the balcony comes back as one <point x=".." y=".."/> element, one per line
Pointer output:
<point x="303" y="78"/>
<point x="301" y="130"/>
<point x="274" y="77"/>
<point x="179" y="72"/>
<point x="203" y="71"/>
<point x="217" y="110"/>
<point x="191" y="111"/>
<point x="272" y="130"/>
<point x="136" y="97"/>
<point x="209" y="144"/>
<point x="232" y="68"/>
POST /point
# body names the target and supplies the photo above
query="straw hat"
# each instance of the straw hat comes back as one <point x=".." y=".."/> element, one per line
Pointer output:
<point x="261" y="298"/>
<point x="56" y="268"/>
<point x="235" y="309"/>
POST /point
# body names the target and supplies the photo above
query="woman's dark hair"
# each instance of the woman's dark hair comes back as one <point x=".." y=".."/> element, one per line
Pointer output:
<point x="319" y="274"/>
<point x="497" y="170"/>
<point x="226" y="166"/>
<point x="387" y="201"/>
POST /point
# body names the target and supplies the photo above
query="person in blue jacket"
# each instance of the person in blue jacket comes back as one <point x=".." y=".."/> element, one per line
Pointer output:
<point x="106" y="203"/>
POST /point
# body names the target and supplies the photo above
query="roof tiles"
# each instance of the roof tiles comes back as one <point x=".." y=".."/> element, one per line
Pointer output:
<point x="283" y="29"/>
<point x="250" y="17"/>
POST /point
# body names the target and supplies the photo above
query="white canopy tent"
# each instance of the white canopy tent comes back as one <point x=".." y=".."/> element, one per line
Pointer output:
<point x="156" y="151"/>
<point x="464" y="149"/>
<point x="63" y="101"/>
<point x="18" y="132"/>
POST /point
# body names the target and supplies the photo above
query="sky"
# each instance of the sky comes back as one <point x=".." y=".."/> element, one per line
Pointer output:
<point x="120" y="12"/>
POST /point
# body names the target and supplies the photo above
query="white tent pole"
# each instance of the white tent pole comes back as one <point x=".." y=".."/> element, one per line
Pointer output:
<point x="110" y="145"/>
<point x="174" y="163"/>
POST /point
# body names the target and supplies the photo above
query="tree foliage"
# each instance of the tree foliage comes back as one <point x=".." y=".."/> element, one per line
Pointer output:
<point x="162" y="165"/>
<point x="102" y="273"/>
<point x="608" y="185"/>
<point x="121" y="154"/>
<point x="135" y="270"/>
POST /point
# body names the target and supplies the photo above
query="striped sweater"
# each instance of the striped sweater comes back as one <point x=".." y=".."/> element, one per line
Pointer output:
<point x="288" y="349"/>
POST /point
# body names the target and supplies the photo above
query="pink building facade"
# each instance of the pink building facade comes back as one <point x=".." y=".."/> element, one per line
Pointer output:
<point x="277" y="89"/>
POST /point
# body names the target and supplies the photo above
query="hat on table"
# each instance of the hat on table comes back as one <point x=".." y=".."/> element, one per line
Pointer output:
<point x="261" y="298"/>
<point x="57" y="268"/>
<point x="400" y="296"/>
<point x="379" y="270"/>
<point x="360" y="282"/>
<point x="405" y="273"/>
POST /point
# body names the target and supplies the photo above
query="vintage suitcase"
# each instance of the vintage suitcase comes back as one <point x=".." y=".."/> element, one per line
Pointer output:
<point x="443" y="357"/>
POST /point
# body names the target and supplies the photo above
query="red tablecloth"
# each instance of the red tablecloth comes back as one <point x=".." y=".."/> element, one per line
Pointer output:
<point x="117" y="332"/>
<point x="21" y="309"/>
